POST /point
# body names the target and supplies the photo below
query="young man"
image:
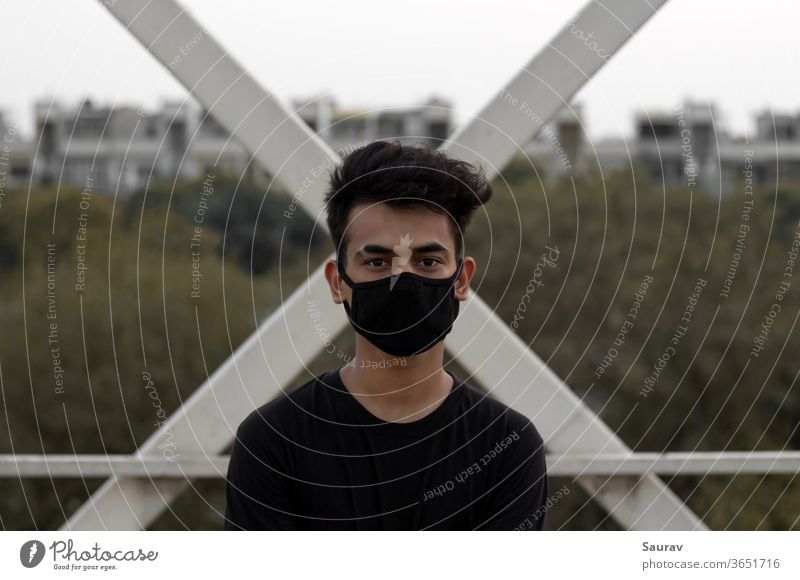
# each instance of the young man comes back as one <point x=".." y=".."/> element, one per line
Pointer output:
<point x="392" y="440"/>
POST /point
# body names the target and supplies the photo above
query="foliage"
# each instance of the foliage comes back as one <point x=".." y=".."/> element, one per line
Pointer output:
<point x="137" y="314"/>
<point x="131" y="345"/>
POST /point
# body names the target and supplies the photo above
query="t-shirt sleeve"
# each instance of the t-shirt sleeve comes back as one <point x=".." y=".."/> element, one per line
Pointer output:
<point x="518" y="497"/>
<point x="257" y="488"/>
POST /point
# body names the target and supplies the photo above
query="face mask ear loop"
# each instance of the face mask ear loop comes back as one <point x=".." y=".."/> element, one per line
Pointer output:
<point x="347" y="279"/>
<point x="343" y="274"/>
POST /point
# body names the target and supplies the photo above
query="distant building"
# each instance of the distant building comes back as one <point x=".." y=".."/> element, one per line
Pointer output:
<point x="118" y="147"/>
<point x="691" y="142"/>
<point x="658" y="144"/>
<point x="429" y="123"/>
<point x="121" y="147"/>
<point x="15" y="154"/>
<point x="681" y="147"/>
<point x="561" y="146"/>
<point x="777" y="147"/>
<point x="688" y="146"/>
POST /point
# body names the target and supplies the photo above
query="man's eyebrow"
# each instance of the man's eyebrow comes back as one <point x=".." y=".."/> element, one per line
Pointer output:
<point x="430" y="247"/>
<point x="381" y="250"/>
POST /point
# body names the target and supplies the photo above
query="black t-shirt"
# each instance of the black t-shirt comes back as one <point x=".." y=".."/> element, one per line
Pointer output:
<point x="317" y="459"/>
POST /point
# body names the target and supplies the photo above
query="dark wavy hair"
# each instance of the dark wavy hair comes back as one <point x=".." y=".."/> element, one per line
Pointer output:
<point x="404" y="176"/>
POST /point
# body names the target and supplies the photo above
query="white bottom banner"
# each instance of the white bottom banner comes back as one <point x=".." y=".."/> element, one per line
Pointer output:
<point x="399" y="555"/>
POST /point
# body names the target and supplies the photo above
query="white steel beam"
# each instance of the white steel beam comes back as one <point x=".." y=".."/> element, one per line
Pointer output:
<point x="518" y="377"/>
<point x="678" y="463"/>
<point x="547" y="83"/>
<point x="286" y="147"/>
<point x="206" y="423"/>
<point x="669" y="463"/>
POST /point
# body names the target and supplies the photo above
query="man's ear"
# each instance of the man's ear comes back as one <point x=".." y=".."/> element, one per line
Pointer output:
<point x="462" y="283"/>
<point x="335" y="282"/>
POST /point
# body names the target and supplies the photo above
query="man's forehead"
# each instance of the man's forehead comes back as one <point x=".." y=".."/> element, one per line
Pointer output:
<point x="375" y="229"/>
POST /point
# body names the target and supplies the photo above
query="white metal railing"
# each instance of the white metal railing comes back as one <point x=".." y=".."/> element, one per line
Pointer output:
<point x="669" y="463"/>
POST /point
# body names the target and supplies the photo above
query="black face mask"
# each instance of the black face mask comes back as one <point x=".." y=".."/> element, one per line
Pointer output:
<point x="407" y="318"/>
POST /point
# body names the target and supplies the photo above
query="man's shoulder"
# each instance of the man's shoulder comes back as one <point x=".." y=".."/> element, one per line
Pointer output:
<point x="282" y="411"/>
<point x="491" y="412"/>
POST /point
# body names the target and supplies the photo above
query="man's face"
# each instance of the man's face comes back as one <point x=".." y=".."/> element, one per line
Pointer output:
<point x="384" y="241"/>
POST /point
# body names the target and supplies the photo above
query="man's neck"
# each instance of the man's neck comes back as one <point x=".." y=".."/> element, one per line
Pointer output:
<point x="398" y="389"/>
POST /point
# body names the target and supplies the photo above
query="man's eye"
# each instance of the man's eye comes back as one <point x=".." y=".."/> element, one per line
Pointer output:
<point x="373" y="260"/>
<point x="430" y="262"/>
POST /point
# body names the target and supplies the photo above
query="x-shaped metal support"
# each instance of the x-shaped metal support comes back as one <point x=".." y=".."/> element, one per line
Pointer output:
<point x="287" y="341"/>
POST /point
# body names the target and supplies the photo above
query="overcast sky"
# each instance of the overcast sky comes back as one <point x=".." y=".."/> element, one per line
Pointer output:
<point x="742" y="55"/>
